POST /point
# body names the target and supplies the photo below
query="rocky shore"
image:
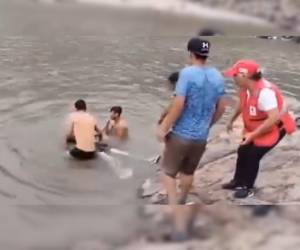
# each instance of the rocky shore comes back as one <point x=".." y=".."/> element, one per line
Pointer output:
<point x="278" y="181"/>
<point x="219" y="227"/>
<point x="264" y="223"/>
<point x="284" y="13"/>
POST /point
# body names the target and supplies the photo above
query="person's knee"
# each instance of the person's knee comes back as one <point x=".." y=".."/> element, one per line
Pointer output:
<point x="189" y="169"/>
<point x="186" y="179"/>
<point x="171" y="174"/>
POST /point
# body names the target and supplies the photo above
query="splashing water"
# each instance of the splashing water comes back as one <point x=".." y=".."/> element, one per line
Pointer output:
<point x="123" y="173"/>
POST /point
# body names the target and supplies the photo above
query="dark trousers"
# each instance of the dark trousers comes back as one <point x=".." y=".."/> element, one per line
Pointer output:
<point x="248" y="161"/>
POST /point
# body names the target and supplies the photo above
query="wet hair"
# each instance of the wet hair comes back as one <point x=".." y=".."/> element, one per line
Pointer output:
<point x="117" y="109"/>
<point x="80" y="105"/>
<point x="256" y="77"/>
<point x="173" y="78"/>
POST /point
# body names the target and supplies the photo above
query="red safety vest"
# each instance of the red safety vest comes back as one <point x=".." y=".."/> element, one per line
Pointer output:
<point x="253" y="117"/>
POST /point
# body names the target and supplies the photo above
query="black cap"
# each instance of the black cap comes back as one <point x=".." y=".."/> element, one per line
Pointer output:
<point x="198" y="46"/>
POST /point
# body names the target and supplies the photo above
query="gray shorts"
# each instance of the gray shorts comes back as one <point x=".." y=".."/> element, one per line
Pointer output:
<point x="182" y="155"/>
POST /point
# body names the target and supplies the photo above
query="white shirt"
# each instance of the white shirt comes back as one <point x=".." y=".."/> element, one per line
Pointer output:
<point x="267" y="100"/>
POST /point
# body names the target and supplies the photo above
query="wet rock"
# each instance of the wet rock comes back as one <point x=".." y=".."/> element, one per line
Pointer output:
<point x="283" y="13"/>
<point x="209" y="32"/>
<point x="227" y="227"/>
<point x="282" y="38"/>
<point x="296" y="39"/>
<point x="267" y="37"/>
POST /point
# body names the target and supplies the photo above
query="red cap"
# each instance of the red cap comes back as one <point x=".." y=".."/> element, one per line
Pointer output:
<point x="243" y="66"/>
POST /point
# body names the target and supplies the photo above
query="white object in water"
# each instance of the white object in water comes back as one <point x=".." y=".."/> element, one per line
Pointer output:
<point x="153" y="160"/>
<point x="123" y="173"/>
<point x="120" y="152"/>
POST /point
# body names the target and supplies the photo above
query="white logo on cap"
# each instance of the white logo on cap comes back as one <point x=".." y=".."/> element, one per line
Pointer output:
<point x="243" y="70"/>
<point x="205" y="45"/>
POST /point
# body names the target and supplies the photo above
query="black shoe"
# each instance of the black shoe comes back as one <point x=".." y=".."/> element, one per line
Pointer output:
<point x="243" y="193"/>
<point x="232" y="185"/>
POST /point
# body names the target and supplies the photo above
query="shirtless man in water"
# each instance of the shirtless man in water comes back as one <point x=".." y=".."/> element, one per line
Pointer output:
<point x="83" y="130"/>
<point x="117" y="126"/>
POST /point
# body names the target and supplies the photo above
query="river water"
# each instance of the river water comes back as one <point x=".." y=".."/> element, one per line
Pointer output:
<point x="52" y="55"/>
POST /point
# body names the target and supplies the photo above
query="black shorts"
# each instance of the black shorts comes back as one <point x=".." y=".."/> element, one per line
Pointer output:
<point x="82" y="155"/>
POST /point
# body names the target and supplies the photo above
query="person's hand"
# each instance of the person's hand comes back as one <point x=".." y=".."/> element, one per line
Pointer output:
<point x="99" y="137"/>
<point x="111" y="124"/>
<point x="229" y="127"/>
<point x="247" y="139"/>
<point x="161" y="134"/>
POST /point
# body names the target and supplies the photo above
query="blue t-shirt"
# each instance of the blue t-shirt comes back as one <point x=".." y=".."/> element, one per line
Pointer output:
<point x="202" y="88"/>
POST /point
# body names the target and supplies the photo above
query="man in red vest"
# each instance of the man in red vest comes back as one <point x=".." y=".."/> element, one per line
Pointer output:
<point x="266" y="121"/>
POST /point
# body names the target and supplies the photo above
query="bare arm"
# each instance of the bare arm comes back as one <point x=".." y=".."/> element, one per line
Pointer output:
<point x="107" y="130"/>
<point x="71" y="131"/>
<point x="164" y="114"/>
<point x="237" y="112"/>
<point x="220" y="109"/>
<point x="69" y="127"/>
<point x="174" y="113"/>
<point x="99" y="131"/>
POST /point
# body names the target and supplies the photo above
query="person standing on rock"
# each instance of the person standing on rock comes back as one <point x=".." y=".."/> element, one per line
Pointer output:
<point x="266" y="122"/>
<point x="198" y="103"/>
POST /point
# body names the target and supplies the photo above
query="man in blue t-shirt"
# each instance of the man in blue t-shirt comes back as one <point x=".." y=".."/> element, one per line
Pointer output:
<point x="198" y="103"/>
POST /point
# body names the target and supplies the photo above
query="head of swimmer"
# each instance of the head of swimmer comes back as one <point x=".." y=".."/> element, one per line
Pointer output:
<point x="80" y="105"/>
<point x="172" y="79"/>
<point x="115" y="113"/>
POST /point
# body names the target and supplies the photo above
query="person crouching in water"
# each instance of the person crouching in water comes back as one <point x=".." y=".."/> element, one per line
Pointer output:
<point x="83" y="130"/>
<point x="266" y="122"/>
<point x="116" y="127"/>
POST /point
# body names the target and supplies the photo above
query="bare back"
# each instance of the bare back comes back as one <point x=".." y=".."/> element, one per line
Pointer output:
<point x="84" y="125"/>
